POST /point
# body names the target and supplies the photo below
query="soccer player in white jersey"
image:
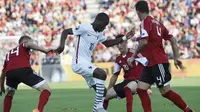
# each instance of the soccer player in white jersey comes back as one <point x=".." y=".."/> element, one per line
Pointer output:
<point x="87" y="37"/>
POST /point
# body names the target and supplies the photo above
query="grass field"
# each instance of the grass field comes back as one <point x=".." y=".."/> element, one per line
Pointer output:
<point x="76" y="97"/>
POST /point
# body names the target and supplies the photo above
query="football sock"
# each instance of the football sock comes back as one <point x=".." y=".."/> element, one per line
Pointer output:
<point x="145" y="100"/>
<point x="176" y="99"/>
<point x="129" y="99"/>
<point x="7" y="103"/>
<point x="105" y="104"/>
<point x="187" y="109"/>
<point x="99" y="98"/>
<point x="44" y="97"/>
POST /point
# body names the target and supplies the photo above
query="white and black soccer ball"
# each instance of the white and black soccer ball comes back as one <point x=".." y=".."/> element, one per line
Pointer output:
<point x="198" y="42"/>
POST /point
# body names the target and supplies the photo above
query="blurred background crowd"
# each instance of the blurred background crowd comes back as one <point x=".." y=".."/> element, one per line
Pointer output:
<point x="44" y="20"/>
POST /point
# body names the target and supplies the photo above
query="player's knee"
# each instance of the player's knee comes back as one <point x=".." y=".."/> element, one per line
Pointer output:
<point x="11" y="93"/>
<point x="133" y="89"/>
<point x="43" y="87"/>
<point x="132" y="86"/>
<point x="49" y="89"/>
<point x="100" y="74"/>
<point x="164" y="90"/>
<point x="108" y="96"/>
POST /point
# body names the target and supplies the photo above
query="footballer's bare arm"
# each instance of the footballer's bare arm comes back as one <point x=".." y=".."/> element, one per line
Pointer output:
<point x="64" y="35"/>
<point x="34" y="46"/>
<point x="112" y="42"/>
<point x="2" y="80"/>
<point x="142" y="44"/>
<point x="174" y="47"/>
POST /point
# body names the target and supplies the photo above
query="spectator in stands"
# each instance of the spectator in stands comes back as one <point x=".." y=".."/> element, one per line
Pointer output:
<point x="47" y="18"/>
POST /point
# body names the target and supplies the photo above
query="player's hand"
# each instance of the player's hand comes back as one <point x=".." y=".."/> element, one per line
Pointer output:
<point x="59" y="50"/>
<point x="130" y="61"/>
<point x="178" y="64"/>
<point x="2" y="90"/>
<point x="131" y="33"/>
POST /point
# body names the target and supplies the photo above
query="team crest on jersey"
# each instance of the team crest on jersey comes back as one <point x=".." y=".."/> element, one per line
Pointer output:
<point x="90" y="67"/>
<point x="77" y="27"/>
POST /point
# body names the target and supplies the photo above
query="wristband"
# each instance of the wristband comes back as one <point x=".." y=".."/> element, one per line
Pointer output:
<point x="124" y="38"/>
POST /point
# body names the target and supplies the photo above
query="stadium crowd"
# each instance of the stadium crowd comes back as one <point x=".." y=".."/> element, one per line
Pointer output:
<point x="181" y="17"/>
<point x="45" y="19"/>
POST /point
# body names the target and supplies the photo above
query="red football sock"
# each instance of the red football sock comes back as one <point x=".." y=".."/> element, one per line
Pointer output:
<point x="144" y="97"/>
<point x="176" y="99"/>
<point x="129" y="99"/>
<point x="105" y="104"/>
<point x="44" y="97"/>
<point x="7" y="103"/>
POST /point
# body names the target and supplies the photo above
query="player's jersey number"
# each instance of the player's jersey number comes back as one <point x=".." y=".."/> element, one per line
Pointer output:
<point x="125" y="67"/>
<point x="158" y="29"/>
<point x="14" y="51"/>
<point x="91" y="46"/>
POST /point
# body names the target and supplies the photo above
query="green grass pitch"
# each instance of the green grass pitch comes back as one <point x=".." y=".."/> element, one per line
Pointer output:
<point x="76" y="97"/>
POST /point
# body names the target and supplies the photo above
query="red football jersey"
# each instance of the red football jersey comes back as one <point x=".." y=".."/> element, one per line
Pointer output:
<point x="17" y="57"/>
<point x="129" y="73"/>
<point x="154" y="32"/>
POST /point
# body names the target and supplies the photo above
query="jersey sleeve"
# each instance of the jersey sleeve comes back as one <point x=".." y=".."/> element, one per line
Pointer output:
<point x="102" y="38"/>
<point x="145" y="28"/>
<point x="117" y="67"/>
<point x="166" y="34"/>
<point x="79" y="30"/>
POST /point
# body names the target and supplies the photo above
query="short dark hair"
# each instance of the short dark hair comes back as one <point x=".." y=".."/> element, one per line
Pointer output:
<point x="23" y="38"/>
<point x="142" y="6"/>
<point x="119" y="36"/>
<point x="102" y="17"/>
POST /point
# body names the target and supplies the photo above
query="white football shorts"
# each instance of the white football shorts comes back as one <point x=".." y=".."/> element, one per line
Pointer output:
<point x="85" y="69"/>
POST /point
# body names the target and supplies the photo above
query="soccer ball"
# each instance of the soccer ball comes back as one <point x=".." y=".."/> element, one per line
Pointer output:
<point x="198" y="42"/>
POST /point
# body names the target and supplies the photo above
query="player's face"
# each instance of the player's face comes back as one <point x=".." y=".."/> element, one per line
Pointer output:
<point x="101" y="27"/>
<point x="122" y="47"/>
<point x="139" y="15"/>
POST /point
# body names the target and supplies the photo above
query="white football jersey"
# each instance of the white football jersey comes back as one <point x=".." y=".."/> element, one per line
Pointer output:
<point x="86" y="40"/>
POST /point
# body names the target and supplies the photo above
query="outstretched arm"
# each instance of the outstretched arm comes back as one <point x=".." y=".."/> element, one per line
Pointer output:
<point x="142" y="44"/>
<point x="64" y="35"/>
<point x="34" y="46"/>
<point x="2" y="80"/>
<point x="113" y="80"/>
<point x="112" y="42"/>
<point x="130" y="34"/>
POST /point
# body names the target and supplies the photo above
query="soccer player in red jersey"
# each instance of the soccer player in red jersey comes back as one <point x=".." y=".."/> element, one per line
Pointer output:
<point x="131" y="76"/>
<point x="157" y="71"/>
<point x="17" y="69"/>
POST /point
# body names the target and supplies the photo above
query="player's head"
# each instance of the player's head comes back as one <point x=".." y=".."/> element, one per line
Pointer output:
<point x="123" y="45"/>
<point x="142" y="8"/>
<point x="24" y="39"/>
<point x="101" y="21"/>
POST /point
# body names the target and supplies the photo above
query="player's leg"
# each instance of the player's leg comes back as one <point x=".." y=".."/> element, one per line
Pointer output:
<point x="129" y="89"/>
<point x="95" y="77"/>
<point x="99" y="77"/>
<point x="44" y="96"/>
<point x="145" y="82"/>
<point x="8" y="100"/>
<point x="31" y="79"/>
<point x="11" y="85"/>
<point x="110" y="94"/>
<point x="164" y="87"/>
